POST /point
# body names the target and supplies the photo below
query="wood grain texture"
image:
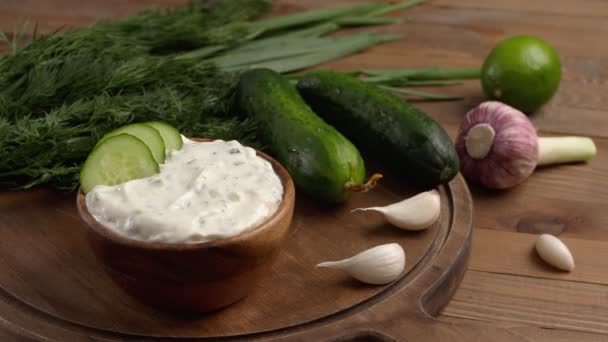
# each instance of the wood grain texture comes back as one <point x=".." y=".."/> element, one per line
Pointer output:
<point x="59" y="289"/>
<point x="570" y="200"/>
<point x="520" y="258"/>
<point x="563" y="199"/>
<point x="548" y="303"/>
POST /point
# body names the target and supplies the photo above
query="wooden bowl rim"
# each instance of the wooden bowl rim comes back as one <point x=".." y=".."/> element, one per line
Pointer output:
<point x="268" y="224"/>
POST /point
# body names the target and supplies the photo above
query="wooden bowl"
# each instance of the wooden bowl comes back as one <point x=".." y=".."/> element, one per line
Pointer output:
<point x="193" y="276"/>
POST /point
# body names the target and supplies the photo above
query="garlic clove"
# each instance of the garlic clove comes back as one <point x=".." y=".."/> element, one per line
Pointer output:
<point x="415" y="213"/>
<point x="378" y="265"/>
<point x="553" y="251"/>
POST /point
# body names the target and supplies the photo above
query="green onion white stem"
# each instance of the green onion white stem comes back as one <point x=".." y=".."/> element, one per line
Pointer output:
<point x="559" y="150"/>
<point x="415" y="213"/>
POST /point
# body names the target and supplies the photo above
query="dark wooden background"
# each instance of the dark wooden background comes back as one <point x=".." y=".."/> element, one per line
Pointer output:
<point x="506" y="285"/>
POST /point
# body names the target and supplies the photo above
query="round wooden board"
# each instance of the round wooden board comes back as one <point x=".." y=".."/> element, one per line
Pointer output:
<point x="52" y="286"/>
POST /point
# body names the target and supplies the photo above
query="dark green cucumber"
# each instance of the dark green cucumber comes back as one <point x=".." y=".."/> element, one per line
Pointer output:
<point x="384" y="124"/>
<point x="321" y="161"/>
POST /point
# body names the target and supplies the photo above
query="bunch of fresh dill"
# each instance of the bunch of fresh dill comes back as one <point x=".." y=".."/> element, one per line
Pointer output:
<point x="60" y="93"/>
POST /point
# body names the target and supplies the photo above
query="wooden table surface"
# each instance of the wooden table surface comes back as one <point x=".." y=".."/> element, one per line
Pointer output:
<point x="507" y="293"/>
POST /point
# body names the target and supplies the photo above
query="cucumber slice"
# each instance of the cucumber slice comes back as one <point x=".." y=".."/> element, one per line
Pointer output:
<point x="145" y="133"/>
<point x="116" y="160"/>
<point x="173" y="140"/>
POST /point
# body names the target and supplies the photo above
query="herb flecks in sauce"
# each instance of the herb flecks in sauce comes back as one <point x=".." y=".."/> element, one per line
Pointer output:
<point x="198" y="196"/>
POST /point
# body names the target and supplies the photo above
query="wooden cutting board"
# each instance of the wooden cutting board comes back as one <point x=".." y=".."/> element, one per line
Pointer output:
<point x="51" y="285"/>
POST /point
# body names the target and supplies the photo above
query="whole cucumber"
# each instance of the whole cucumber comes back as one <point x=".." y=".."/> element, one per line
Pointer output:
<point x="321" y="161"/>
<point x="378" y="121"/>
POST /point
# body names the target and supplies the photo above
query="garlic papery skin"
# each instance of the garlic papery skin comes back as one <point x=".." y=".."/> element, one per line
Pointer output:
<point x="415" y="213"/>
<point x="554" y="252"/>
<point x="500" y="157"/>
<point x="378" y="265"/>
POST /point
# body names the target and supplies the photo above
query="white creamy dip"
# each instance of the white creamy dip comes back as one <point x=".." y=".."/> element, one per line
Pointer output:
<point x="204" y="191"/>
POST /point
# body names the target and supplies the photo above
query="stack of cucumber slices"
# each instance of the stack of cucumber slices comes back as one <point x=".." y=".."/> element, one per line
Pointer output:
<point x="129" y="152"/>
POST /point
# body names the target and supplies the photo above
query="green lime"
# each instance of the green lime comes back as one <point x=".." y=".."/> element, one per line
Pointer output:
<point x="522" y="71"/>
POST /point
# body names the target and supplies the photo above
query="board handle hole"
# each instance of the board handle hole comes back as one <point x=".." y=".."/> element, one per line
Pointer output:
<point x="364" y="336"/>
